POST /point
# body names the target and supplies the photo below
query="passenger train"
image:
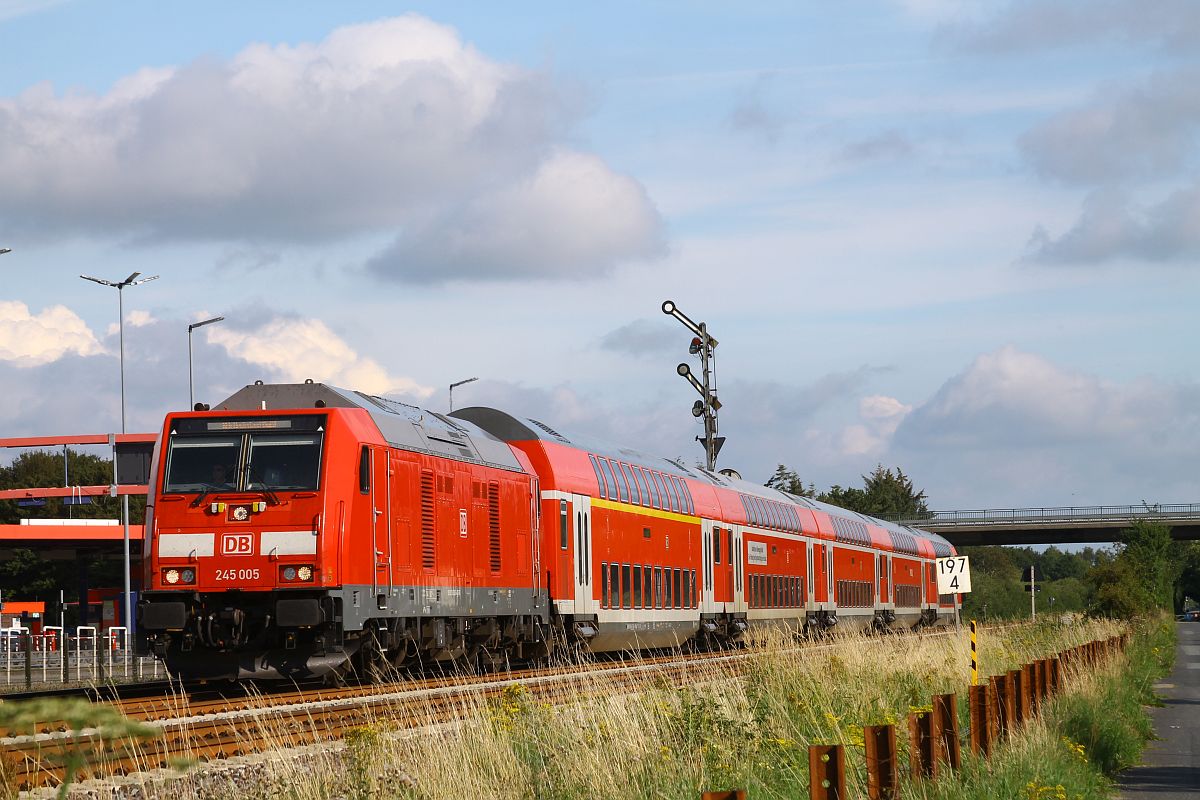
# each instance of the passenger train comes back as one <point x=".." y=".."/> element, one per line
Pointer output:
<point x="299" y="530"/>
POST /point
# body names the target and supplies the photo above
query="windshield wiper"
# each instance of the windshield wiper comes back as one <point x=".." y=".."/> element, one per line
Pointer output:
<point x="266" y="490"/>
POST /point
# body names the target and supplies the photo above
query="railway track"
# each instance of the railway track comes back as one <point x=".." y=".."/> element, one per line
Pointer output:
<point x="202" y="726"/>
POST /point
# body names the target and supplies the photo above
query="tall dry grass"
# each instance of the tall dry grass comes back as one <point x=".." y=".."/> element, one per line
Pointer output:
<point x="735" y="723"/>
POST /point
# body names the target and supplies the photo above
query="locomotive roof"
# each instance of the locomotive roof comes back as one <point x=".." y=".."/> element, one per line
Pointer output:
<point x="402" y="425"/>
<point x="509" y="428"/>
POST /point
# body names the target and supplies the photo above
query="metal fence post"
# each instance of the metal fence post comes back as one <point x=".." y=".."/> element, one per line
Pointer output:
<point x="883" y="765"/>
<point x="27" y="643"/>
<point x="1005" y="710"/>
<point x="923" y="736"/>
<point x="827" y="772"/>
<point x="980" y="719"/>
<point x="945" y="707"/>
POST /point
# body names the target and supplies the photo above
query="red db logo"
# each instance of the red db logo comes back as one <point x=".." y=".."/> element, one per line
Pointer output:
<point x="237" y="544"/>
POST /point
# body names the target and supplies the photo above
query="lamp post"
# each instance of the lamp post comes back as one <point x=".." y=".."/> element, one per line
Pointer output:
<point x="458" y="383"/>
<point x="132" y="280"/>
<point x="192" y="327"/>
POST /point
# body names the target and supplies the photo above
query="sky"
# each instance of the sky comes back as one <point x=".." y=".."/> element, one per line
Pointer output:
<point x="958" y="238"/>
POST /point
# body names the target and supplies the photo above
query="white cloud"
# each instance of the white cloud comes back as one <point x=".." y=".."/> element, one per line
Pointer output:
<point x="1012" y="399"/>
<point x="1142" y="131"/>
<point x="30" y="340"/>
<point x="1113" y="226"/>
<point x="293" y="350"/>
<point x="573" y="218"/>
<point x="1024" y="25"/>
<point x="384" y="127"/>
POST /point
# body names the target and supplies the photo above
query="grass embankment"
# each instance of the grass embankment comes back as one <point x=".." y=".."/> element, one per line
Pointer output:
<point x="745" y="725"/>
<point x="1083" y="737"/>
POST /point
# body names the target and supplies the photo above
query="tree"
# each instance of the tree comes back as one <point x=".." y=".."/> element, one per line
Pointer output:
<point x="884" y="494"/>
<point x="42" y="468"/>
<point x="787" y="480"/>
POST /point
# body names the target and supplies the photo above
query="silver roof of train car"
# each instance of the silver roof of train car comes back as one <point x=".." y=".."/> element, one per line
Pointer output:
<point x="404" y="426"/>
<point x="517" y="429"/>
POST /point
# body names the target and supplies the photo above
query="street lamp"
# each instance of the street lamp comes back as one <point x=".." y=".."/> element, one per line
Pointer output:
<point x="459" y="383"/>
<point x="192" y="327"/>
<point x="120" y="287"/>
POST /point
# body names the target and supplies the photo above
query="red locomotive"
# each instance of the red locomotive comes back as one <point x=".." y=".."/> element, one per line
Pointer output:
<point x="301" y="529"/>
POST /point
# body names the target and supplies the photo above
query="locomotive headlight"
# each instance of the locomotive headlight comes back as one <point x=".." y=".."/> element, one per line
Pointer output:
<point x="304" y="573"/>
<point x="188" y="576"/>
<point x="289" y="573"/>
<point x="171" y="576"/>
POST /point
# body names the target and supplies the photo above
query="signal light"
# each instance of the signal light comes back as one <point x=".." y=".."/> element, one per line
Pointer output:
<point x="216" y="508"/>
<point x="188" y="576"/>
<point x="171" y="576"/>
<point x="698" y="408"/>
<point x="694" y="347"/>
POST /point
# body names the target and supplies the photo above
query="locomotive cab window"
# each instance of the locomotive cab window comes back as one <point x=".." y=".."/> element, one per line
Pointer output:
<point x="288" y="461"/>
<point x="199" y="463"/>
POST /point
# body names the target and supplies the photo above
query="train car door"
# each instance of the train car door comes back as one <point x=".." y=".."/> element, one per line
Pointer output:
<point x="738" y="570"/>
<point x="705" y="566"/>
<point x="810" y="598"/>
<point x="381" y="524"/>
<point x="829" y="575"/>
<point x="584" y="601"/>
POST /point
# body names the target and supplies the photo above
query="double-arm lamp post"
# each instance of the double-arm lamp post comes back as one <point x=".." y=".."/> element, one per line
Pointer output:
<point x="132" y="280"/>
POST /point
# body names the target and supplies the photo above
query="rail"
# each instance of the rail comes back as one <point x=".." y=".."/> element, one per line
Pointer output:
<point x="1050" y="515"/>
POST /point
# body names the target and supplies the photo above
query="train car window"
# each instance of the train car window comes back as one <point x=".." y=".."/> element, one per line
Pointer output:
<point x="716" y="545"/>
<point x="609" y="481"/>
<point x="780" y="522"/>
<point x="626" y="588"/>
<point x="669" y="599"/>
<point x="364" y="470"/>
<point x="600" y="485"/>
<point x="604" y="585"/>
<point x="695" y="598"/>
<point x="637" y="585"/>
<point x="622" y="486"/>
<point x="779" y="591"/>
<point x="686" y="494"/>
<point x="635" y="496"/>
<point x="678" y="587"/>
<point x="647" y="589"/>
<point x="614" y="585"/>
<point x="729" y="543"/>
<point x="651" y="489"/>
<point x="640" y="480"/>
<point x="671" y="496"/>
<point x="659" y="484"/>
<point x="658" y="587"/>
<point x="562" y="524"/>
<point x="753" y="591"/>
<point x="687" y="594"/>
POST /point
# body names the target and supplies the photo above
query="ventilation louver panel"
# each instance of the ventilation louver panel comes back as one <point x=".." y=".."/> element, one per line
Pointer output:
<point x="493" y="492"/>
<point x="427" y="520"/>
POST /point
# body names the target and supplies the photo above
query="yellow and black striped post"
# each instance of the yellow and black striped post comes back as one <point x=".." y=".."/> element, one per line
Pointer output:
<point x="974" y="657"/>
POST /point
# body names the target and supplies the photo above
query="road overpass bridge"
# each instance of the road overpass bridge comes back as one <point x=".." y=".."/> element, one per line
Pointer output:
<point x="1061" y="525"/>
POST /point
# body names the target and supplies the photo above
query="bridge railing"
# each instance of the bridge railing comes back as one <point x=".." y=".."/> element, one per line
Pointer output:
<point x="1066" y="514"/>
